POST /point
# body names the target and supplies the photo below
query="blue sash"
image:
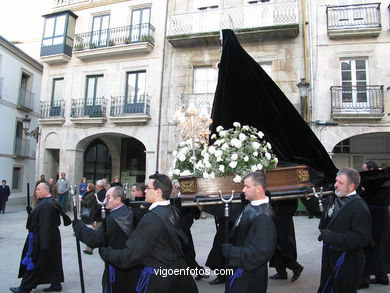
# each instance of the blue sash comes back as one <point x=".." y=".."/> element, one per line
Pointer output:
<point x="143" y="281"/>
<point x="237" y="274"/>
<point x="27" y="260"/>
<point x="112" y="272"/>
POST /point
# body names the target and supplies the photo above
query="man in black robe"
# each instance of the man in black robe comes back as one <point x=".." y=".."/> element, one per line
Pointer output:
<point x="345" y="231"/>
<point x="41" y="257"/>
<point x="119" y="227"/>
<point x="156" y="244"/>
<point x="376" y="193"/>
<point x="285" y="256"/>
<point x="253" y="239"/>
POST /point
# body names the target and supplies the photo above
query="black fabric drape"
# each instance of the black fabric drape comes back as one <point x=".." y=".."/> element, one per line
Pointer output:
<point x="246" y="94"/>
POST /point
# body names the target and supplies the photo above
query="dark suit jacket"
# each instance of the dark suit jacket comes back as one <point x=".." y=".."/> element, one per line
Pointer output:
<point x="4" y="192"/>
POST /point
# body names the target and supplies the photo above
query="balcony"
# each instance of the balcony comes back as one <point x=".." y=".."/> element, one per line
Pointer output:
<point x="250" y="23"/>
<point x="116" y="41"/>
<point x="130" y="110"/>
<point x="25" y="100"/>
<point x="88" y="111"/>
<point x="363" y="20"/>
<point x="22" y="148"/>
<point x="52" y="112"/>
<point x="357" y="102"/>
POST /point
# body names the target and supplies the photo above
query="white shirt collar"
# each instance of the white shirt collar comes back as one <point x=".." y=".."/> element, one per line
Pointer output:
<point x="258" y="202"/>
<point x="159" y="203"/>
<point x="352" y="193"/>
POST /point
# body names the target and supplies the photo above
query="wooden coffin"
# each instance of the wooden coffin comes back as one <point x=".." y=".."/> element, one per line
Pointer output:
<point x="278" y="179"/>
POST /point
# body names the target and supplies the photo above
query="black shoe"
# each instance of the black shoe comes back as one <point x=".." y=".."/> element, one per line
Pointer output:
<point x="87" y="252"/>
<point x="18" y="290"/>
<point x="279" y="276"/>
<point x="364" y="285"/>
<point x="297" y="273"/>
<point x="379" y="281"/>
<point x="217" y="280"/>
<point x="53" y="289"/>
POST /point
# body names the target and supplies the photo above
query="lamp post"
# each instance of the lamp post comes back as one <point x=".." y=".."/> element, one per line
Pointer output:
<point x="303" y="86"/>
<point x="26" y="125"/>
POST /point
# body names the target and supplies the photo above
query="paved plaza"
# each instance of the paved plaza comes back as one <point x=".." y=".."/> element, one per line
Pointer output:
<point x="13" y="233"/>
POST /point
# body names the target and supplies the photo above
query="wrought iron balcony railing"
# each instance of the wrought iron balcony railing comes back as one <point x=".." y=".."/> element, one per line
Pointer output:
<point x="356" y="99"/>
<point x="358" y="16"/>
<point x="114" y="37"/>
<point x="52" y="109"/>
<point x="26" y="99"/>
<point x="251" y="16"/>
<point x="60" y="3"/>
<point x="125" y="106"/>
<point x="22" y="148"/>
<point x="92" y="108"/>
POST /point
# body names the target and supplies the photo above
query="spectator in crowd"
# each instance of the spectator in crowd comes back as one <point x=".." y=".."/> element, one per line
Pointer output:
<point x="4" y="194"/>
<point x="63" y="187"/>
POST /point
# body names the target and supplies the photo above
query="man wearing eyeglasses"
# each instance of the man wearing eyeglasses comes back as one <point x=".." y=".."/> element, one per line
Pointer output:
<point x="156" y="243"/>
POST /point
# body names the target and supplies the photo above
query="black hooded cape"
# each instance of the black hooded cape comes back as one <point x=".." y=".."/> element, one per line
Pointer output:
<point x="246" y="94"/>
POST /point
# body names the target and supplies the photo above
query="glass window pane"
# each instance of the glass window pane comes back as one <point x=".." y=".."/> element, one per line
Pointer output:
<point x="346" y="75"/>
<point x="58" y="40"/>
<point x="99" y="87"/>
<point x="361" y="75"/>
<point x="360" y="64"/>
<point x="141" y="83"/>
<point x="58" y="85"/>
<point x="146" y="15"/>
<point x="346" y="65"/>
<point x="60" y="25"/>
<point x="49" y="27"/>
<point x="96" y="23"/>
<point x="105" y="22"/>
<point x="90" y="90"/>
<point x="135" y="17"/>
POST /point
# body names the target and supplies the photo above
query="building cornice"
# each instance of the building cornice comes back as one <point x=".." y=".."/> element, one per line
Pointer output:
<point x="20" y="54"/>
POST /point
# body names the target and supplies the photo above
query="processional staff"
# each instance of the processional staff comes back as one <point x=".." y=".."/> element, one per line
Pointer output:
<point x="72" y="191"/>
<point x="226" y="201"/>
<point x="103" y="216"/>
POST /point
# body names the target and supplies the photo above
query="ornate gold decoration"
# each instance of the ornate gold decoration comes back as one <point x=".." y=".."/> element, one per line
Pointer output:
<point x="303" y="176"/>
<point x="188" y="185"/>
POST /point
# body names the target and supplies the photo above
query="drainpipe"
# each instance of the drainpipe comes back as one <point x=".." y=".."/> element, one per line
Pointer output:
<point x="308" y="105"/>
<point x="158" y="141"/>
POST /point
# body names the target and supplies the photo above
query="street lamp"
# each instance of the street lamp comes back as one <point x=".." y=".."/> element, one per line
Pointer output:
<point x="303" y="93"/>
<point x="26" y="125"/>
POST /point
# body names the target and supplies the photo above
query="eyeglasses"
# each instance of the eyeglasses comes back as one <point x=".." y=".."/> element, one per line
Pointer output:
<point x="147" y="187"/>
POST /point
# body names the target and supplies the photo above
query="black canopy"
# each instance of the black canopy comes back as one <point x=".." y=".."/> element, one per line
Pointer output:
<point x="246" y="94"/>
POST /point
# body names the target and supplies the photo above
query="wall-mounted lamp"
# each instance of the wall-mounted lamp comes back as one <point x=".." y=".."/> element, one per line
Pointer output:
<point x="303" y="93"/>
<point x="26" y="125"/>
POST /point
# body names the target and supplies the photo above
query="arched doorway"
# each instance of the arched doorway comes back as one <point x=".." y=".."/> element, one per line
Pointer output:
<point x="97" y="161"/>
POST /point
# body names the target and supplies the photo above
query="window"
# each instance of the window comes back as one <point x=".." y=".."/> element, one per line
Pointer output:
<point x="206" y="4"/>
<point x="354" y="81"/>
<point x="19" y="138"/>
<point x="94" y="96"/>
<point x="140" y="20"/>
<point x="343" y="147"/>
<point x="205" y="80"/>
<point x="99" y="36"/>
<point x="257" y="1"/>
<point x="54" y="30"/>
<point x="135" y="92"/>
<point x="17" y="178"/>
<point x="56" y="98"/>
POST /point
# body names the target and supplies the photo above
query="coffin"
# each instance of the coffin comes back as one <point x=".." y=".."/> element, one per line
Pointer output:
<point x="278" y="179"/>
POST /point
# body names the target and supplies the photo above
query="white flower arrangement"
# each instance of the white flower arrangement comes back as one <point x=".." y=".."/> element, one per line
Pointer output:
<point x="236" y="151"/>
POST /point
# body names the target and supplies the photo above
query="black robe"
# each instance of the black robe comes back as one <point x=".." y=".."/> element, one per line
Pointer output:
<point x="285" y="255"/>
<point x="153" y="245"/>
<point x="46" y="255"/>
<point x="350" y="234"/>
<point x="254" y="242"/>
<point x="119" y="228"/>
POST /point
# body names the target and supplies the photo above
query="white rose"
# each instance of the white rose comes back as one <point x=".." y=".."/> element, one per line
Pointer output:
<point x="255" y="145"/>
<point x="234" y="157"/>
<point x="185" y="173"/>
<point x="205" y="175"/>
<point x="237" y="179"/>
<point x="219" y="159"/>
<point x="222" y="133"/>
<point x="182" y="157"/>
<point x="235" y="142"/>
<point x="246" y="158"/>
<point x="207" y="164"/>
<point x="233" y="164"/>
<point x="254" y="168"/>
<point x="221" y="168"/>
<point x="176" y="171"/>
<point x="276" y="160"/>
<point x="225" y="146"/>
<point x="212" y="175"/>
<point x="236" y="124"/>
<point x="260" y="134"/>
<point x="213" y="136"/>
<point x="218" y="154"/>
<point x="245" y="127"/>
<point x="255" y="154"/>
<point x="268" y="155"/>
<point x="242" y="136"/>
<point x="211" y="149"/>
<point x="269" y="145"/>
<point x="219" y="128"/>
<point x="174" y="153"/>
<point x="259" y="166"/>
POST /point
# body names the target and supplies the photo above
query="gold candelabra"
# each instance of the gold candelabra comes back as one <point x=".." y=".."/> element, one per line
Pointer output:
<point x="192" y="125"/>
